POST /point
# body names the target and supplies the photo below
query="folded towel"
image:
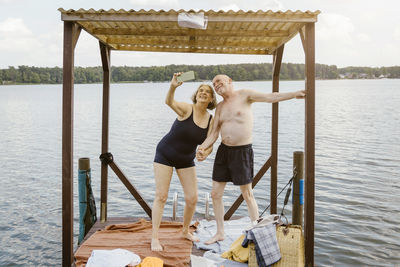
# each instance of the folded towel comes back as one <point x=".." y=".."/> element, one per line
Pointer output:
<point x="266" y="244"/>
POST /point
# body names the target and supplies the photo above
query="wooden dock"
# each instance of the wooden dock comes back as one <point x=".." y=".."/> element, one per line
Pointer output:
<point x="125" y="220"/>
<point x="258" y="33"/>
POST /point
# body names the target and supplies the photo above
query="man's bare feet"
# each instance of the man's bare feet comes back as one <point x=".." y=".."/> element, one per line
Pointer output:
<point x="155" y="245"/>
<point x="217" y="237"/>
<point x="191" y="237"/>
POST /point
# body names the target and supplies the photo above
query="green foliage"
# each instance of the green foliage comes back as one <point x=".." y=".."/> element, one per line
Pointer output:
<point x="367" y="72"/>
<point x="238" y="72"/>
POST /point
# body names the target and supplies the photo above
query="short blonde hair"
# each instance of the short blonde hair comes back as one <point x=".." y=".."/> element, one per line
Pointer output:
<point x="213" y="102"/>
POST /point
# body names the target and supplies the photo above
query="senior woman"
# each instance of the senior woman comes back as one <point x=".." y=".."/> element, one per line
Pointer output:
<point x="177" y="149"/>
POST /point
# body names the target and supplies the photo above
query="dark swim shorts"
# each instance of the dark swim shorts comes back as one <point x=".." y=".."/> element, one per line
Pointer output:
<point x="234" y="164"/>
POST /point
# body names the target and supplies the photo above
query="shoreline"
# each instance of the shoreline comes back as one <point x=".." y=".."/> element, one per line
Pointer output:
<point x="123" y="82"/>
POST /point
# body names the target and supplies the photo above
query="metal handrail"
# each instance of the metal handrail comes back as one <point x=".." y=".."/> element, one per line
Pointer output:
<point x="174" y="206"/>
<point x="207" y="203"/>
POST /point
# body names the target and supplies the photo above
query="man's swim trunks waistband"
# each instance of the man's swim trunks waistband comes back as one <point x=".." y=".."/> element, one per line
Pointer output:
<point x="236" y="147"/>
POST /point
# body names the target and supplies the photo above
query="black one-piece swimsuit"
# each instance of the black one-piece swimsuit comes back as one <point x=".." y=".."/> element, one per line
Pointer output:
<point x="178" y="147"/>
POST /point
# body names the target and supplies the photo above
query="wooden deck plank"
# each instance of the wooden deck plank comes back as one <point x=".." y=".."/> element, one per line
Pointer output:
<point x="124" y="220"/>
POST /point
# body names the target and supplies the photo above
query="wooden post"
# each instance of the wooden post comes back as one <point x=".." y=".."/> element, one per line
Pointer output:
<point x="297" y="204"/>
<point x="84" y="182"/>
<point x="309" y="144"/>
<point x="274" y="130"/>
<point x="84" y="164"/>
<point x="71" y="34"/>
<point x="105" y="59"/>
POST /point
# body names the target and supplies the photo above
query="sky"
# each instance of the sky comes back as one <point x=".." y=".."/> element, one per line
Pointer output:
<point x="348" y="33"/>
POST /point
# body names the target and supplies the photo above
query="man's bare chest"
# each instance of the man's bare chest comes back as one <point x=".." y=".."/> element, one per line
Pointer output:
<point x="235" y="111"/>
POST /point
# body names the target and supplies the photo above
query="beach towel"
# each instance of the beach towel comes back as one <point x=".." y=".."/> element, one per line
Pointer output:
<point x="233" y="230"/>
<point x="112" y="258"/>
<point x="237" y="252"/>
<point x="219" y="261"/>
<point x="136" y="237"/>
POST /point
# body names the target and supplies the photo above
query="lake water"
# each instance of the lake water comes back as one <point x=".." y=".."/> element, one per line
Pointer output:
<point x="357" y="163"/>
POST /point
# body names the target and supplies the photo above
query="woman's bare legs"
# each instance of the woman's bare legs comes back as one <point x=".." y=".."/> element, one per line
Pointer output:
<point x="188" y="179"/>
<point x="162" y="176"/>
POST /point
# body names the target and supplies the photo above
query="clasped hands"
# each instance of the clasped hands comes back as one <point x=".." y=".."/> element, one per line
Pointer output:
<point x="201" y="154"/>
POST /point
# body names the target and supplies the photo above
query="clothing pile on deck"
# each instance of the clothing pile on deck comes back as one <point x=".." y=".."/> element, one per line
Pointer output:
<point x="234" y="250"/>
<point x="245" y="244"/>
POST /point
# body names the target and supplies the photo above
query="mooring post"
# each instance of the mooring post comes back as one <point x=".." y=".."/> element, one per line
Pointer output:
<point x="83" y="171"/>
<point x="298" y="188"/>
<point x="105" y="53"/>
<point x="84" y="164"/>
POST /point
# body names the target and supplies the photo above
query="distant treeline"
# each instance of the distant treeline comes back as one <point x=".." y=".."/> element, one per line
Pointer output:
<point x="238" y="72"/>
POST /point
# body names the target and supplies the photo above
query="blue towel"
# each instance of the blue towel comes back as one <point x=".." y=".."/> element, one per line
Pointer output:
<point x="233" y="230"/>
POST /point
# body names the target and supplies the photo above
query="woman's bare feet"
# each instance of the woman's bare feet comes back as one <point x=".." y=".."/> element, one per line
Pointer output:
<point x="155" y="245"/>
<point x="217" y="237"/>
<point x="191" y="237"/>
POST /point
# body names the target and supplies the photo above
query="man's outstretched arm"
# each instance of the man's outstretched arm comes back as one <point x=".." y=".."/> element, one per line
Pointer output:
<point x="254" y="96"/>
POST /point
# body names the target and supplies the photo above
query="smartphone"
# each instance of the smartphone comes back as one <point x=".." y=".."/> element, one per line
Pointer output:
<point x="186" y="76"/>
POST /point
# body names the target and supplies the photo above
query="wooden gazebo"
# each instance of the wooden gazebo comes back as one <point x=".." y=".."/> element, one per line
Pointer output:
<point x="261" y="32"/>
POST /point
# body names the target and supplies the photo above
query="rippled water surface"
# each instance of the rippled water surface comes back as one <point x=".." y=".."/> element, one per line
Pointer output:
<point x="357" y="211"/>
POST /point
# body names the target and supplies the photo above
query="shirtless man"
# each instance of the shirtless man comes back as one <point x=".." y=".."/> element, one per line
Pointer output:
<point x="234" y="158"/>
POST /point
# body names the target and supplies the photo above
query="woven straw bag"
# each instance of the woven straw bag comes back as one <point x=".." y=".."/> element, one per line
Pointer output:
<point x="291" y="245"/>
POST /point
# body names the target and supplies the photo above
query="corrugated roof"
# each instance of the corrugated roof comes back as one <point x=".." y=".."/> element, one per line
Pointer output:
<point x="250" y="32"/>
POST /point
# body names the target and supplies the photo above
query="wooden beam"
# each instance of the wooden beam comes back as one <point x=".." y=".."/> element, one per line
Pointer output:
<point x="116" y="31"/>
<point x="105" y="59"/>
<point x="173" y="17"/>
<point x="276" y="68"/>
<point x="67" y="145"/>
<point x="256" y="178"/>
<point x="192" y="41"/>
<point x="105" y="53"/>
<point x="292" y="33"/>
<point x="77" y="32"/>
<point x="309" y="144"/>
<point x="274" y="130"/>
<point x="217" y="50"/>
<point x="303" y="38"/>
<point x="287" y="18"/>
<point x="135" y="193"/>
<point x="101" y="38"/>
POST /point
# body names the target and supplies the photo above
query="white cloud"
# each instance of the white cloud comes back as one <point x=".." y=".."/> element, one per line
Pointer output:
<point x="266" y="5"/>
<point x="208" y="4"/>
<point x="363" y="38"/>
<point x="336" y="38"/>
<point x="335" y="28"/>
<point x="229" y="7"/>
<point x="396" y="33"/>
<point x="16" y="36"/>
<point x="244" y="5"/>
<point x="355" y="35"/>
<point x="154" y="4"/>
<point x="21" y="46"/>
<point x="14" y="26"/>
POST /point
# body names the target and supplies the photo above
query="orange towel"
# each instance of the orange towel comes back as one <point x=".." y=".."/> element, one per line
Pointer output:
<point x="136" y="237"/>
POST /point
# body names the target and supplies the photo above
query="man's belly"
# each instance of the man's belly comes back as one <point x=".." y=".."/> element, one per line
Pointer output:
<point x="233" y="134"/>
